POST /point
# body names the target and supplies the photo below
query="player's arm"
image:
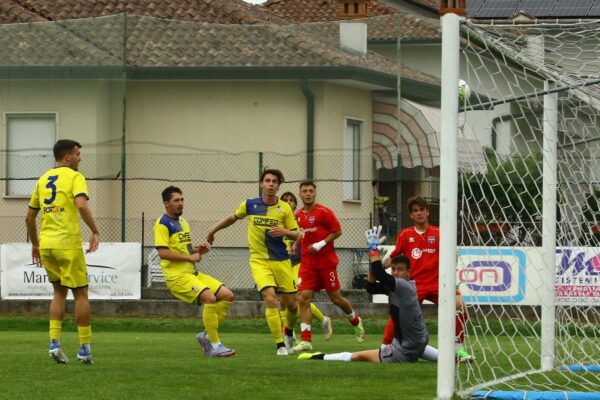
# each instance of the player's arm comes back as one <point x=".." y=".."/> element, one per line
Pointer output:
<point x="397" y="250"/>
<point x="30" y="221"/>
<point x="86" y="214"/>
<point x="278" y="231"/>
<point x="376" y="269"/>
<point x="224" y="223"/>
<point x="315" y="247"/>
<point x="201" y="249"/>
<point x="166" y="254"/>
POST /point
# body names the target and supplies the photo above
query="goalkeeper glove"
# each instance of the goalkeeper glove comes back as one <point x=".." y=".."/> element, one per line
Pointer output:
<point x="374" y="238"/>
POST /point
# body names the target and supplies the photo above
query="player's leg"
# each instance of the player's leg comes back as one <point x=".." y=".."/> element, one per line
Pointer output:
<point x="56" y="312"/>
<point x="462" y="316"/>
<point x="217" y="300"/>
<point x="365" y="355"/>
<point x="305" y="298"/>
<point x="74" y="276"/>
<point x="331" y="282"/>
<point x="287" y="287"/>
<point x="388" y="333"/>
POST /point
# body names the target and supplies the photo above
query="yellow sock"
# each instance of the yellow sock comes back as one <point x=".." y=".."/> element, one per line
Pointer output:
<point x="85" y="334"/>
<point x="274" y="322"/>
<point x="282" y="314"/>
<point x="55" y="329"/>
<point x="291" y="318"/>
<point x="222" y="309"/>
<point x="316" y="313"/>
<point x="211" y="322"/>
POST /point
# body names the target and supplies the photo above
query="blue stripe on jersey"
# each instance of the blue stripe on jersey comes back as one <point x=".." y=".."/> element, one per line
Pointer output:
<point x="172" y="225"/>
<point x="276" y="247"/>
<point x="256" y="207"/>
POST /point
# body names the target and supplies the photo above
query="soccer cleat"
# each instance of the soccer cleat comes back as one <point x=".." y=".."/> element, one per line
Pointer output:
<point x="222" y="351"/>
<point x="289" y="343"/>
<point x="463" y="357"/>
<point x="359" y="331"/>
<point x="282" y="351"/>
<point x="202" y="338"/>
<point x="311" y="356"/>
<point x="303" y="346"/>
<point x="327" y="329"/>
<point x="85" y="354"/>
<point x="57" y="354"/>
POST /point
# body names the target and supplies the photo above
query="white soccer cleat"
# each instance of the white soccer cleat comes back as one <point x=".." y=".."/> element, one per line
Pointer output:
<point x="85" y="354"/>
<point x="327" y="328"/>
<point x="289" y="341"/>
<point x="359" y="331"/>
<point x="57" y="355"/>
<point x="282" y="351"/>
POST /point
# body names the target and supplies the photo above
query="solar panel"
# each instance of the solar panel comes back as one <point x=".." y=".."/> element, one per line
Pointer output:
<point x="595" y="10"/>
<point x="572" y="8"/>
<point x="473" y="7"/>
<point x="497" y="8"/>
<point x="538" y="8"/>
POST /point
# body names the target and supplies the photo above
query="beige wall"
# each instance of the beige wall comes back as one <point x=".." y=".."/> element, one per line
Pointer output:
<point x="169" y="123"/>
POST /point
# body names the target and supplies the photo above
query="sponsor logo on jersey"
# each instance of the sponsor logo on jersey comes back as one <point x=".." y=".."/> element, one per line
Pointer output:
<point x="53" y="209"/>
<point x="431" y="239"/>
<point x="416" y="253"/>
<point x="411" y="240"/>
<point x="265" y="221"/>
<point x="311" y="219"/>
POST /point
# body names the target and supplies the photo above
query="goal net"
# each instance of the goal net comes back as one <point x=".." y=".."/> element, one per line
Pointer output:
<point x="529" y="256"/>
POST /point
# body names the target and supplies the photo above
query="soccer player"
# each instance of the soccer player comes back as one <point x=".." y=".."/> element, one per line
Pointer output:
<point x="410" y="333"/>
<point x="60" y="194"/>
<point x="318" y="268"/>
<point x="317" y="314"/>
<point x="173" y="240"/>
<point x="270" y="220"/>
<point x="421" y="243"/>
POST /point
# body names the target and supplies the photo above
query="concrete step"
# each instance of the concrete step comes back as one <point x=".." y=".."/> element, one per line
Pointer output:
<point x="353" y="295"/>
<point x="175" y="308"/>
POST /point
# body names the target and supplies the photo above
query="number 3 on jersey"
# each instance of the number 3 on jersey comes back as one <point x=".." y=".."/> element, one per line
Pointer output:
<point x="52" y="186"/>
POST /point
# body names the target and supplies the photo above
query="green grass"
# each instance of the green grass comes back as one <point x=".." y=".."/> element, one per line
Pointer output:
<point x="158" y="358"/>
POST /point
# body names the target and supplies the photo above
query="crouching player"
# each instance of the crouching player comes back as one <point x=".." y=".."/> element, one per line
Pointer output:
<point x="410" y="333"/>
<point x="173" y="240"/>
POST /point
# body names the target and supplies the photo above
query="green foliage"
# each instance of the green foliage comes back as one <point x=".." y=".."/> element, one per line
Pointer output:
<point x="510" y="190"/>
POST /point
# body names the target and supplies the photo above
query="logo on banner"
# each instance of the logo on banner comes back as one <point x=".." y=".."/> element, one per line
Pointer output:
<point x="578" y="275"/>
<point x="492" y="275"/>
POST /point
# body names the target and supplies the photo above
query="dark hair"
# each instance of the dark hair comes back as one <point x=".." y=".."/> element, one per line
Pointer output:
<point x="289" y="194"/>
<point x="275" y="172"/>
<point x="419" y="201"/>
<point x="63" y="147"/>
<point x="168" y="192"/>
<point x="401" y="259"/>
<point x="308" y="183"/>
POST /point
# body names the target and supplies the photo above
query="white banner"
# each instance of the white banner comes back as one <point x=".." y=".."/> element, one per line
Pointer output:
<point x="512" y="275"/>
<point x="114" y="272"/>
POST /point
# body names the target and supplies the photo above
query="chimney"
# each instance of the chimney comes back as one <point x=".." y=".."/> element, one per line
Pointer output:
<point x="350" y="9"/>
<point x="353" y="37"/>
<point x="458" y="7"/>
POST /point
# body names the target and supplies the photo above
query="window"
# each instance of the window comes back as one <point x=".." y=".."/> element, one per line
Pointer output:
<point x="352" y="134"/>
<point x="29" y="142"/>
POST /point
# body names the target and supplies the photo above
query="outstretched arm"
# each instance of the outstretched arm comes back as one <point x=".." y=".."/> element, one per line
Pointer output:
<point x="227" y="221"/>
<point x="376" y="270"/>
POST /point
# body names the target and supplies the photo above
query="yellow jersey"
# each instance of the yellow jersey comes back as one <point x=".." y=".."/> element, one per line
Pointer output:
<point x="175" y="235"/>
<point x="54" y="195"/>
<point x="261" y="218"/>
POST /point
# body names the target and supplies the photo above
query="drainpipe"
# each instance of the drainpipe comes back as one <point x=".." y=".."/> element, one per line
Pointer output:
<point x="310" y="129"/>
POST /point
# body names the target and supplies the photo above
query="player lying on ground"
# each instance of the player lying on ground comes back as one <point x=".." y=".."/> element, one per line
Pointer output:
<point x="410" y="333"/>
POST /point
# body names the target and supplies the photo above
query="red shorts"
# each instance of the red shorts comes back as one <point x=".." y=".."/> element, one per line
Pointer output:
<point x="429" y="293"/>
<point x="316" y="279"/>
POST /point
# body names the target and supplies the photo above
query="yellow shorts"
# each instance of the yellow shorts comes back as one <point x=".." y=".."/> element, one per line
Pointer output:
<point x="187" y="287"/>
<point x="273" y="273"/>
<point x="295" y="271"/>
<point x="65" y="266"/>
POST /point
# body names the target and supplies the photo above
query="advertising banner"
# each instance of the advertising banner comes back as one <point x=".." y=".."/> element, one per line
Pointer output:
<point x="113" y="272"/>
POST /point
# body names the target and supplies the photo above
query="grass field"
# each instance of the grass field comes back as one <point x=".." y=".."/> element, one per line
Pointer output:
<point x="158" y="358"/>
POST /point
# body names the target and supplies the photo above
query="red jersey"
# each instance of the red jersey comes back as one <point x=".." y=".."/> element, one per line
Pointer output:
<point x="423" y="251"/>
<point x="316" y="224"/>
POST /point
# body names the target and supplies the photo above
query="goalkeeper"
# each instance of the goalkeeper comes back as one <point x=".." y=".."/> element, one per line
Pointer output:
<point x="410" y="333"/>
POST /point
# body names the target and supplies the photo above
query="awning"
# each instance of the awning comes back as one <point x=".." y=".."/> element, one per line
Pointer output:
<point x="418" y="142"/>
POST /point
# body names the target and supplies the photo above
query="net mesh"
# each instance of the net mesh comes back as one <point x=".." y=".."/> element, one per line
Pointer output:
<point x="501" y="262"/>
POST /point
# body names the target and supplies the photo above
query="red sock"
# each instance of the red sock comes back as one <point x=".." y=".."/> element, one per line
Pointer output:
<point x="306" y="336"/>
<point x="354" y="321"/>
<point x="461" y="325"/>
<point x="388" y="332"/>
